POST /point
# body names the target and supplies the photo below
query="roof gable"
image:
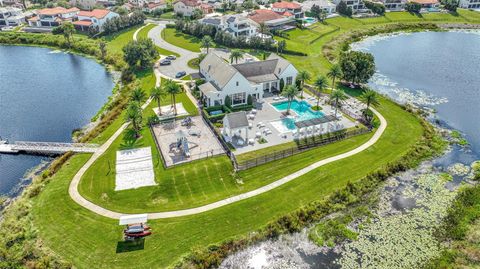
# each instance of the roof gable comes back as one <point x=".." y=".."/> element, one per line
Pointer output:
<point x="219" y="70"/>
<point x="236" y="120"/>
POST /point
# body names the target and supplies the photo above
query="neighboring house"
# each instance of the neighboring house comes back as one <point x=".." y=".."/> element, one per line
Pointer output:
<point x="394" y="5"/>
<point x="241" y="80"/>
<point x="236" y="25"/>
<point x="325" y="5"/>
<point x="470" y="4"/>
<point x="52" y="17"/>
<point x="272" y="19"/>
<point x="84" y="4"/>
<point x="152" y="6"/>
<point x="427" y="4"/>
<point x="284" y="7"/>
<point x="94" y="18"/>
<point x="187" y="7"/>
<point x="11" y="3"/>
<point x="12" y="16"/>
<point x="355" y="5"/>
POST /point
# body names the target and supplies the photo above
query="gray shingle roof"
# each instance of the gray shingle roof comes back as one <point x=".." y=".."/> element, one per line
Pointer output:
<point x="214" y="21"/>
<point x="207" y="88"/>
<point x="220" y="71"/>
<point x="282" y="64"/>
<point x="236" y="120"/>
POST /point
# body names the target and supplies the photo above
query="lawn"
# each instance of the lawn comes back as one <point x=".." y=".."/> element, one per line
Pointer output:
<point x="117" y="40"/>
<point x="87" y="239"/>
<point x="144" y="34"/>
<point x="70" y="229"/>
<point x="181" y="40"/>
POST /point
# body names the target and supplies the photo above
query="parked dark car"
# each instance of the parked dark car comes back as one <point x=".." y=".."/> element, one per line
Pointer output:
<point x="180" y="74"/>
<point x="165" y="62"/>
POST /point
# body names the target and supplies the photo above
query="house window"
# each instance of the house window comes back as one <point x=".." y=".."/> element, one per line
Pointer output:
<point x="238" y="98"/>
<point x="289" y="80"/>
<point x="237" y="83"/>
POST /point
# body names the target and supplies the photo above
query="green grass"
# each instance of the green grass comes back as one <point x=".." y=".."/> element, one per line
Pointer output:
<point x="87" y="239"/>
<point x="181" y="40"/>
<point x="117" y="40"/>
<point x="71" y="231"/>
<point x="168" y="15"/>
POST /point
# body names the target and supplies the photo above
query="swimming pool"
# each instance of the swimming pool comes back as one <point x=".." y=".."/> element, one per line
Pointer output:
<point x="309" y="20"/>
<point x="302" y="110"/>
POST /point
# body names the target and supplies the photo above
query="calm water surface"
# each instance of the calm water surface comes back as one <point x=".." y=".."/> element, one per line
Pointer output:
<point x="44" y="95"/>
<point x="436" y="69"/>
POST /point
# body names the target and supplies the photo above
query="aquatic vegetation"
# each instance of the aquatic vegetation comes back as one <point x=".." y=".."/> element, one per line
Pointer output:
<point x="458" y="169"/>
<point x="388" y="241"/>
<point x="332" y="232"/>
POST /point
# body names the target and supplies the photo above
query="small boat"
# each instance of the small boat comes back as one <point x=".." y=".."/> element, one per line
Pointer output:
<point x="137" y="234"/>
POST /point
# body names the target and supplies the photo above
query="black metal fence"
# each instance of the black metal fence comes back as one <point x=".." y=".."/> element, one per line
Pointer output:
<point x="303" y="144"/>
<point x="217" y="133"/>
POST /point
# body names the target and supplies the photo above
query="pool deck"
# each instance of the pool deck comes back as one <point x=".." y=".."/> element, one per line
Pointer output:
<point x="267" y="114"/>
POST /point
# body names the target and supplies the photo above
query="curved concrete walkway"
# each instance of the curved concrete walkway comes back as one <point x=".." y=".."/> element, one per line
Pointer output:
<point x="75" y="195"/>
<point x="79" y="199"/>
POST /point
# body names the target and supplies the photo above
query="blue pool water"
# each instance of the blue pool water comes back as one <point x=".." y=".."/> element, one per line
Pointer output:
<point x="302" y="110"/>
<point x="309" y="20"/>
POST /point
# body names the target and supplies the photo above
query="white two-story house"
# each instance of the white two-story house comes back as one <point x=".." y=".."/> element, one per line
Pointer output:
<point x="236" y="25"/>
<point x="241" y="80"/>
<point x="470" y="4"/>
<point x="11" y="16"/>
<point x="94" y="18"/>
<point x="52" y="17"/>
<point x="187" y="7"/>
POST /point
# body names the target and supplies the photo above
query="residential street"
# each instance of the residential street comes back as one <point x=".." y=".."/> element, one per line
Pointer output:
<point x="181" y="63"/>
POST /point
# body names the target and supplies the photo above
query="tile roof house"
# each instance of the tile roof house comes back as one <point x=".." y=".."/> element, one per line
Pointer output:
<point x="241" y="80"/>
<point x="284" y="7"/>
<point x="427" y="3"/>
<point x="236" y="25"/>
<point x="186" y="7"/>
<point x="52" y="17"/>
<point x="94" y="18"/>
<point x="272" y="19"/>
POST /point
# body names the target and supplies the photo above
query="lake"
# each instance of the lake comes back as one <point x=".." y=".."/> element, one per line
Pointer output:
<point x="434" y="69"/>
<point x="44" y="96"/>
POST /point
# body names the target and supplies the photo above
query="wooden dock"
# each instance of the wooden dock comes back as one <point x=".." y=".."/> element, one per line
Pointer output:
<point x="45" y="147"/>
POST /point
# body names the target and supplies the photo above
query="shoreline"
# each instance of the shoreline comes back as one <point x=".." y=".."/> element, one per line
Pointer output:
<point x="35" y="171"/>
<point x="31" y="186"/>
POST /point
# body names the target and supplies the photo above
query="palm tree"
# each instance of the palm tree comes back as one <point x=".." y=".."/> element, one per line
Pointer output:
<point x="320" y="84"/>
<point x="370" y="98"/>
<point x="173" y="89"/>
<point x="337" y="96"/>
<point x="302" y="76"/>
<point x="235" y="55"/>
<point x="134" y="115"/>
<point x="138" y="95"/>
<point x="262" y="28"/>
<point x="68" y="30"/>
<point x="201" y="56"/>
<point x="207" y="42"/>
<point x="290" y="92"/>
<point x="334" y="73"/>
<point x="157" y="94"/>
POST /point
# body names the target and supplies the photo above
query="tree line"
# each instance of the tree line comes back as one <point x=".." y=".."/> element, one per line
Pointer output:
<point x="124" y="21"/>
<point x="222" y="38"/>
